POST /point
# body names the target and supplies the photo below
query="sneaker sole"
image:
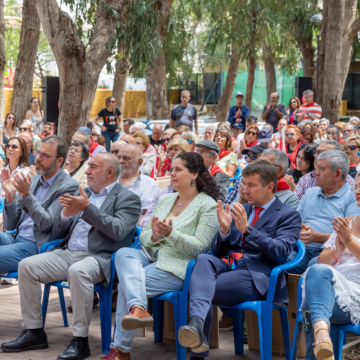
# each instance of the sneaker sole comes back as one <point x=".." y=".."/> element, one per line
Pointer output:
<point x="188" y="338"/>
<point x="32" y="347"/>
<point x="200" y="349"/>
<point x="226" y="329"/>
<point x="131" y="323"/>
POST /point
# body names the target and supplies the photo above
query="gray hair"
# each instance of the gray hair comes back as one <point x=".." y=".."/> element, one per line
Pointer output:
<point x="337" y="160"/>
<point x="85" y="152"/>
<point x="310" y="92"/>
<point x="336" y="145"/>
<point x="353" y="127"/>
<point x="140" y="127"/>
<point x="280" y="158"/>
<point x="211" y="127"/>
<point x="327" y="121"/>
<point x="189" y="135"/>
<point x="111" y="162"/>
<point x="83" y="134"/>
<point x="268" y="126"/>
<point x="336" y="128"/>
<point x="185" y="92"/>
<point x="355" y="118"/>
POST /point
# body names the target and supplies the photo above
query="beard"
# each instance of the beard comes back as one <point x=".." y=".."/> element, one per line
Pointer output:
<point x="45" y="170"/>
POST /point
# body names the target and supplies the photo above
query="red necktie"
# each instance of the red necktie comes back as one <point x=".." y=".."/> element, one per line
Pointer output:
<point x="257" y="213"/>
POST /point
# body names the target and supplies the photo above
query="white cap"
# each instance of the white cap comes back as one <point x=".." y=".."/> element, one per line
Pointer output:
<point x="239" y="94"/>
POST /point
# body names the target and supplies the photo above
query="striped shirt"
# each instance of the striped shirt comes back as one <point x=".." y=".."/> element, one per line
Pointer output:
<point x="314" y="110"/>
<point x="308" y="181"/>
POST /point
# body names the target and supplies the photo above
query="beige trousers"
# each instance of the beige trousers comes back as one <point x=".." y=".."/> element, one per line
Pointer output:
<point x="82" y="271"/>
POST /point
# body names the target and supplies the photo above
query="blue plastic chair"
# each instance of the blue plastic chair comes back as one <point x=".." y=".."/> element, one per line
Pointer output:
<point x="263" y="310"/>
<point x="105" y="299"/>
<point x="179" y="299"/>
<point x="337" y="332"/>
<point x="236" y="175"/>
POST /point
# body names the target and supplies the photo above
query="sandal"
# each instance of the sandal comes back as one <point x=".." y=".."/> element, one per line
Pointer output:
<point x="323" y="350"/>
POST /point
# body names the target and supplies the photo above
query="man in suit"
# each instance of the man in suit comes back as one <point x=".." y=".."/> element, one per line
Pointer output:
<point x="96" y="223"/>
<point x="32" y="204"/>
<point x="255" y="238"/>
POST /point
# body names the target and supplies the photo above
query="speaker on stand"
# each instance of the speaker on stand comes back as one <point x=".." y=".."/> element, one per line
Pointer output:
<point x="302" y="83"/>
<point x="51" y="95"/>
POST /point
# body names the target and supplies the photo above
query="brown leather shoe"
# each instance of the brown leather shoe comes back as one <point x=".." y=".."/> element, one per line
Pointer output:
<point x="116" y="354"/>
<point x="137" y="318"/>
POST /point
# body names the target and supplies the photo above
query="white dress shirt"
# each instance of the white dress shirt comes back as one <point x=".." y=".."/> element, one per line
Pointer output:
<point x="79" y="239"/>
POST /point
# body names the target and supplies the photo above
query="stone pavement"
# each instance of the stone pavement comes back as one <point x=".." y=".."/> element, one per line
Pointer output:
<point x="143" y="347"/>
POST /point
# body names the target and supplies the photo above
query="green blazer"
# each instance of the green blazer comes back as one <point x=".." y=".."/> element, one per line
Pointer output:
<point x="192" y="234"/>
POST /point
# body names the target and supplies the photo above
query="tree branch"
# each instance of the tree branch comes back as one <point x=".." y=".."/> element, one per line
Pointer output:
<point x="353" y="29"/>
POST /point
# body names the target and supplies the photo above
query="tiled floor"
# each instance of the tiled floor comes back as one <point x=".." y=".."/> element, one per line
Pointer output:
<point x="143" y="347"/>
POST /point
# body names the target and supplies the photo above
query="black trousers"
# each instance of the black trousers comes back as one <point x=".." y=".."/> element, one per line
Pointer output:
<point x="212" y="283"/>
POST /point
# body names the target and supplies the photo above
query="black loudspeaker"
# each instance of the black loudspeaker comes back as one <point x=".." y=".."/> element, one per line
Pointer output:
<point x="51" y="100"/>
<point x="302" y="83"/>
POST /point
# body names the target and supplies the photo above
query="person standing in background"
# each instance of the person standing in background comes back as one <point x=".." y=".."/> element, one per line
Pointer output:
<point x="35" y="115"/>
<point x="273" y="111"/>
<point x="238" y="111"/>
<point x="112" y="121"/>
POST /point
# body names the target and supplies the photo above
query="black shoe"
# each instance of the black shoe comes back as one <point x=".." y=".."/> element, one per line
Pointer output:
<point x="192" y="336"/>
<point x="77" y="349"/>
<point x="26" y="341"/>
<point x="95" y="302"/>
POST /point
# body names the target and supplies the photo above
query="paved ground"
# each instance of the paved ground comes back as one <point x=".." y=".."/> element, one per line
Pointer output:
<point x="143" y="348"/>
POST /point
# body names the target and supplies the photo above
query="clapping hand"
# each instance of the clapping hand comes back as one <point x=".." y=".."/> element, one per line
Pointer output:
<point x="238" y="113"/>
<point x="7" y="184"/>
<point x="340" y="247"/>
<point x="224" y="217"/>
<point x="240" y="217"/>
<point x="268" y="105"/>
<point x="160" y="228"/>
<point x="290" y="181"/>
<point x="74" y="204"/>
<point x="22" y="183"/>
<point x="306" y="112"/>
<point x="242" y="197"/>
<point x="342" y="229"/>
<point x="32" y="170"/>
<point x="307" y="234"/>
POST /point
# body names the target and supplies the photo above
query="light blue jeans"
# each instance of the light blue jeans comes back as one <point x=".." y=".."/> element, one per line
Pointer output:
<point x="139" y="279"/>
<point x="301" y="268"/>
<point x="320" y="304"/>
<point x="13" y="250"/>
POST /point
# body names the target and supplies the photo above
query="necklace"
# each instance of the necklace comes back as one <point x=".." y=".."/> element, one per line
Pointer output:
<point x="180" y="204"/>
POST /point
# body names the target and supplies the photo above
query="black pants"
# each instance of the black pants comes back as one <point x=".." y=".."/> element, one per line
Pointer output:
<point x="211" y="282"/>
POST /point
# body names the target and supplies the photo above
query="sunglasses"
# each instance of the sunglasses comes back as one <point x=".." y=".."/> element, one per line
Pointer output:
<point x="293" y="102"/>
<point x="166" y="140"/>
<point x="115" y="152"/>
<point x="14" y="147"/>
<point x="11" y="118"/>
<point x="252" y="133"/>
<point x="317" y="125"/>
<point x="23" y="129"/>
<point x="291" y="134"/>
<point x="190" y="141"/>
<point x="306" y="148"/>
<point x="353" y="147"/>
<point x="253" y="156"/>
<point x="113" y="101"/>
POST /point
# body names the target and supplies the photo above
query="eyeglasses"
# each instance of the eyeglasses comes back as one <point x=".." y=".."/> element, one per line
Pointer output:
<point x="291" y="134"/>
<point x="253" y="156"/>
<point x="43" y="156"/>
<point x="345" y="131"/>
<point x="115" y="152"/>
<point x="353" y="147"/>
<point x="74" y="150"/>
<point x="307" y="148"/>
<point x="23" y="129"/>
<point x="11" y="118"/>
<point x="14" y="147"/>
<point x="166" y="140"/>
<point x="293" y="102"/>
<point x="202" y="152"/>
<point x="252" y="133"/>
<point x="113" y="101"/>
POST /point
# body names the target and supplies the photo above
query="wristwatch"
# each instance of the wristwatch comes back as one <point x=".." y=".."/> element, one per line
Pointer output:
<point x="248" y="231"/>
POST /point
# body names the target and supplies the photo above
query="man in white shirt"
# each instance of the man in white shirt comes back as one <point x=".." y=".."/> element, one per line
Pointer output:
<point x="130" y="158"/>
<point x="96" y="223"/>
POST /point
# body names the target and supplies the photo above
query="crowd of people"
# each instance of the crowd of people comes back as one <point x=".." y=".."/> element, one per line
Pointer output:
<point x="237" y="199"/>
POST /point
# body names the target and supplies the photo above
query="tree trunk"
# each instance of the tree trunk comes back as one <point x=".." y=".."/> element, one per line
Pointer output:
<point x="269" y="71"/>
<point x="121" y="74"/>
<point x="2" y="60"/>
<point x="149" y="95"/>
<point x="203" y="96"/>
<point x="250" y="80"/>
<point x="159" y="107"/>
<point x="307" y="51"/>
<point x="25" y="64"/>
<point x="223" y="107"/>
<point x="78" y="69"/>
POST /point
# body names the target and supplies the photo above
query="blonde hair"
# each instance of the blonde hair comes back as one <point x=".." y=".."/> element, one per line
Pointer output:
<point x="189" y="135"/>
<point x="145" y="139"/>
<point x="169" y="132"/>
<point x="355" y="138"/>
<point x="183" y="144"/>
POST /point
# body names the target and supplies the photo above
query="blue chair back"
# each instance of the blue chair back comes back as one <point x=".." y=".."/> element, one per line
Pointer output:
<point x="2" y="203"/>
<point x="236" y="175"/>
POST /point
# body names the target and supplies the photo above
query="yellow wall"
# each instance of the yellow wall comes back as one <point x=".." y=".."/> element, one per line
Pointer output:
<point x="174" y="96"/>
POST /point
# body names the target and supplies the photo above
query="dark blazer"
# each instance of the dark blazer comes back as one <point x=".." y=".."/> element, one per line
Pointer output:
<point x="273" y="238"/>
<point x="113" y="225"/>
<point x="222" y="181"/>
<point x="45" y="213"/>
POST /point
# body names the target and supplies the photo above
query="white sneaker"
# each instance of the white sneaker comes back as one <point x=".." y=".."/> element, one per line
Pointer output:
<point x="8" y="281"/>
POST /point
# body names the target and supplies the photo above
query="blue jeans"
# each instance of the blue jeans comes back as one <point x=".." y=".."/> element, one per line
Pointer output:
<point x="301" y="268"/>
<point x="110" y="135"/>
<point x="138" y="279"/>
<point x="13" y="250"/>
<point x="320" y="304"/>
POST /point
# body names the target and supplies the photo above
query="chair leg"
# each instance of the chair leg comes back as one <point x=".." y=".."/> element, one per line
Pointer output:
<point x="296" y="340"/>
<point x="45" y="302"/>
<point x="238" y="326"/>
<point x="337" y="338"/>
<point x="105" y="297"/>
<point x="265" y="334"/>
<point x="286" y="332"/>
<point x="158" y="315"/>
<point x="63" y="306"/>
<point x="180" y="315"/>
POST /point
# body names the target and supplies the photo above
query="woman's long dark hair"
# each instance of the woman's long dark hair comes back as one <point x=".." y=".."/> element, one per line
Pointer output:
<point x="24" y="158"/>
<point x="309" y="157"/>
<point x="204" y="182"/>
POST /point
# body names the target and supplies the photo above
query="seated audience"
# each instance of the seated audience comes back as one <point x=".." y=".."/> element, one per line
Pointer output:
<point x="127" y="123"/>
<point x="131" y="158"/>
<point x="95" y="222"/>
<point x="226" y="126"/>
<point x="101" y="140"/>
<point x="236" y="130"/>
<point x="31" y="216"/>
<point x="238" y="112"/>
<point x="250" y="120"/>
<point x="333" y="133"/>
<point x="29" y="144"/>
<point x="292" y="144"/>
<point x="9" y="129"/>
<point x="210" y="131"/>
<point x="331" y="197"/>
<point x="353" y="143"/>
<point x="354" y="120"/>
<point x="250" y="154"/>
<point x="227" y="158"/>
<point x="250" y="138"/>
<point x="27" y="126"/>
<point x="84" y="135"/>
<point x="116" y="147"/>
<point x="282" y="124"/>
<point x="304" y="164"/>
<point x="148" y="151"/>
<point x="46" y="131"/>
<point x="348" y="130"/>
<point x="321" y="129"/>
<point x="254" y="239"/>
<point x="174" y="148"/>
<point x="156" y="136"/>
<point x="138" y="127"/>
<point x="191" y="138"/>
<point x="176" y="135"/>
<point x="331" y="287"/>
<point x="308" y="181"/>
<point x="16" y="155"/>
<point x="181" y="227"/>
<point x="166" y="137"/>
<point x="265" y="136"/>
<point x="308" y="134"/>
<point x="128" y="139"/>
<point x="76" y="166"/>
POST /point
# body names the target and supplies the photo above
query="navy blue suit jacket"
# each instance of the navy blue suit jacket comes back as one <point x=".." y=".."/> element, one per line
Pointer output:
<point x="273" y="238"/>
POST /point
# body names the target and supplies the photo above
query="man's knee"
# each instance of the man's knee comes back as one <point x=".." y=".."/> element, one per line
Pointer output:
<point x="123" y="254"/>
<point x="77" y="274"/>
<point x="203" y="258"/>
<point x="25" y="266"/>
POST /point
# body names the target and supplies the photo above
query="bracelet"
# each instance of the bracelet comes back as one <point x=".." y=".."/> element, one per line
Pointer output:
<point x="332" y="253"/>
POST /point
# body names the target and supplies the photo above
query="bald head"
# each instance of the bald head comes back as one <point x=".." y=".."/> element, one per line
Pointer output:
<point x="157" y="132"/>
<point x="27" y="124"/>
<point x="128" y="138"/>
<point x="109" y="161"/>
<point x="28" y="139"/>
<point x="130" y="158"/>
<point x="116" y="147"/>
